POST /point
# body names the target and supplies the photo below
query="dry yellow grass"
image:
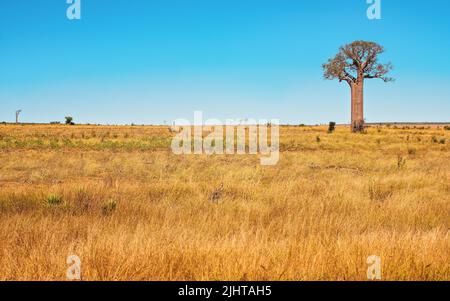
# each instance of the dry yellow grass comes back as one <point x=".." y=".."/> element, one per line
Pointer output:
<point x="317" y="215"/>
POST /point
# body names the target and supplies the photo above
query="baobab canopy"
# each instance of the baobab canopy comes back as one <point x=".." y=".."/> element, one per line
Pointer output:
<point x="354" y="63"/>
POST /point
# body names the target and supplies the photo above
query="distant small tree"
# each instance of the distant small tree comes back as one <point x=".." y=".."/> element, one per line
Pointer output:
<point x="69" y="120"/>
<point x="331" y="127"/>
<point x="17" y="115"/>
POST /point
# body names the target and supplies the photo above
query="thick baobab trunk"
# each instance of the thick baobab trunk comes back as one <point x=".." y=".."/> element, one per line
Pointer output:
<point x="357" y="106"/>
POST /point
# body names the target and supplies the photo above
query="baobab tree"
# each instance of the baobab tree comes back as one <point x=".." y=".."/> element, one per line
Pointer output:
<point x="353" y="64"/>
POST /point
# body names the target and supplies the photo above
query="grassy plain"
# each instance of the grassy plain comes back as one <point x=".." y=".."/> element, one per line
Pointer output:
<point x="117" y="197"/>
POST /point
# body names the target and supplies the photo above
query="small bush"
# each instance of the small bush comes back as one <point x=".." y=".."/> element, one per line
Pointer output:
<point x="318" y="139"/>
<point x="69" y="120"/>
<point x="109" y="207"/>
<point x="436" y="140"/>
<point x="331" y="127"/>
<point x="412" y="151"/>
<point x="54" y="200"/>
<point x="447" y="128"/>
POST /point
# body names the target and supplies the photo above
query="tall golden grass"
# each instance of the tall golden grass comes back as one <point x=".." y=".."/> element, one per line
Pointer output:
<point x="131" y="210"/>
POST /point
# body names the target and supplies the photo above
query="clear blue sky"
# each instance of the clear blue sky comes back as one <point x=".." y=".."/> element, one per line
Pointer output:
<point x="146" y="61"/>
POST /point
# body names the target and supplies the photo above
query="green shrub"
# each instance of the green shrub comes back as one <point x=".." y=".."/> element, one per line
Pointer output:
<point x="54" y="200"/>
<point x="69" y="120"/>
<point x="109" y="207"/>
